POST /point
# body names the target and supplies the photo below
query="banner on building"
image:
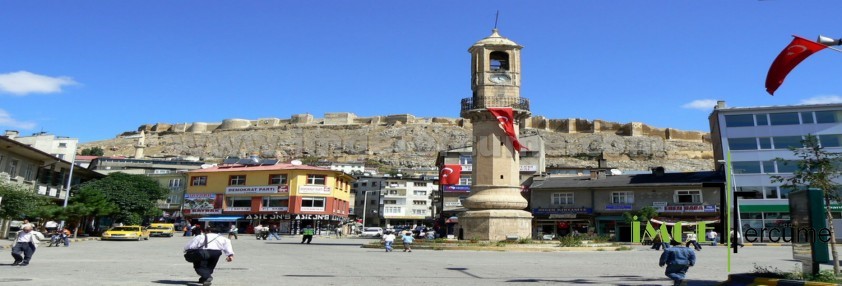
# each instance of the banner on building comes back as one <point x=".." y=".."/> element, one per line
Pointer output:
<point x="241" y="190"/>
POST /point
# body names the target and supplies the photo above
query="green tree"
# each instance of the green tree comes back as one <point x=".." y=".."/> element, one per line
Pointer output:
<point x="86" y="205"/>
<point x="93" y="151"/>
<point x="20" y="202"/>
<point x="816" y="168"/>
<point x="133" y="196"/>
<point x="644" y="214"/>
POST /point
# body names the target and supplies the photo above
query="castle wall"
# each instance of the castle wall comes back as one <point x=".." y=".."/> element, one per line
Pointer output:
<point x="234" y="124"/>
<point x="339" y="118"/>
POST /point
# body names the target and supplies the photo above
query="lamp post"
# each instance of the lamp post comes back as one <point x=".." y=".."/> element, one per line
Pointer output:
<point x="67" y="188"/>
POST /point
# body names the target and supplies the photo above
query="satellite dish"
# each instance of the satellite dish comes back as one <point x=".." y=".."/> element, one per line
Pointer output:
<point x="295" y="162"/>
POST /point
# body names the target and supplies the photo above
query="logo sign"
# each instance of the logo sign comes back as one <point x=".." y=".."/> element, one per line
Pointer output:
<point x="251" y="190"/>
<point x="203" y="211"/>
<point x="457" y="188"/>
<point x="316" y="189"/>
<point x="663" y="232"/>
<point x="546" y="211"/>
<point x="673" y="209"/>
<point x="623" y="207"/>
<point x="710" y="209"/>
<point x="694" y="209"/>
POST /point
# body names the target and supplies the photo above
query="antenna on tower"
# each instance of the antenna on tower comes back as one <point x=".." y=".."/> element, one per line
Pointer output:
<point x="497" y="17"/>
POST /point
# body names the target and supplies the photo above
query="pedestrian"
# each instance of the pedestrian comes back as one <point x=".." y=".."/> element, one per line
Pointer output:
<point x="232" y="231"/>
<point x="65" y="234"/>
<point x="338" y="231"/>
<point x="678" y="260"/>
<point x="407" y="242"/>
<point x="195" y="229"/>
<point x="27" y="223"/>
<point x="736" y="238"/>
<point x="308" y="232"/>
<point x="388" y="240"/>
<point x="25" y="244"/>
<point x="658" y="242"/>
<point x="216" y="246"/>
<point x="188" y="230"/>
<point x="273" y="232"/>
<point x="692" y="239"/>
<point x="713" y="237"/>
<point x="258" y="231"/>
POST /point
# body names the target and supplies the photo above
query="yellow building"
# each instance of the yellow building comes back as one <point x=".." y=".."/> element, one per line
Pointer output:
<point x="287" y="195"/>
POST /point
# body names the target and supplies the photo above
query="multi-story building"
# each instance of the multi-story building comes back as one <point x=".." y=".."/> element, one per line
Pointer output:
<point x="754" y="137"/>
<point x="367" y="193"/>
<point x="59" y="146"/>
<point x="107" y="165"/>
<point x="408" y="201"/>
<point x="176" y="182"/>
<point x="289" y="195"/>
<point x="596" y="203"/>
<point x="39" y="171"/>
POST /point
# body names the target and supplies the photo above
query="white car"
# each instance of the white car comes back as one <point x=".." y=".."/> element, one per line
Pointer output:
<point x="372" y="232"/>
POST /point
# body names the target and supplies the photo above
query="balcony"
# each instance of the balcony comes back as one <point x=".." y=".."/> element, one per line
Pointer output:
<point x="517" y="103"/>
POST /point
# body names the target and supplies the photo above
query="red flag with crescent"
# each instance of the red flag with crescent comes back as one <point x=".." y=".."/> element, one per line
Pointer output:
<point x="798" y="50"/>
<point x="450" y="174"/>
<point x="506" y="117"/>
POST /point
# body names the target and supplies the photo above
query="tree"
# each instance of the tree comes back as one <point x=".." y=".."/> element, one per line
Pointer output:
<point x="20" y="202"/>
<point x="817" y="168"/>
<point x="86" y="205"/>
<point x="93" y="151"/>
<point x="132" y="196"/>
<point x="644" y="214"/>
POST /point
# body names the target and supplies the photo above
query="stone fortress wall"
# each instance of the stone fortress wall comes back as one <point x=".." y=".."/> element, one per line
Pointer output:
<point x="570" y="125"/>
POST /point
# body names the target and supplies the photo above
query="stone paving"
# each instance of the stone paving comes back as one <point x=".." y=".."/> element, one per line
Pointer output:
<point x="332" y="261"/>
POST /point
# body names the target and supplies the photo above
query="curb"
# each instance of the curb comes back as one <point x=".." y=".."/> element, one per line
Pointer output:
<point x="748" y="279"/>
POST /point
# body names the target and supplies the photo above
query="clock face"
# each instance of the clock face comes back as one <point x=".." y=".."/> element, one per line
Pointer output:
<point x="499" y="78"/>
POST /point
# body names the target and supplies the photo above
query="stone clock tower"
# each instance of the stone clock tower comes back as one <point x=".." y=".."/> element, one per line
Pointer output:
<point x="495" y="206"/>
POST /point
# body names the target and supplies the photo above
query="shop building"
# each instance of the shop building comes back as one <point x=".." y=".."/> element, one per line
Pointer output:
<point x="291" y="196"/>
<point x="563" y="205"/>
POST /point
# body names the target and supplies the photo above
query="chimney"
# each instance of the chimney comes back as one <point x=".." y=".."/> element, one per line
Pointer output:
<point x="720" y="104"/>
<point x="603" y="164"/>
<point x="12" y="134"/>
<point x="658" y="171"/>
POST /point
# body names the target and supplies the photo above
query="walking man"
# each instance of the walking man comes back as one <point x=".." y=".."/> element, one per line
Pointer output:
<point x="712" y="236"/>
<point x="273" y="232"/>
<point x="678" y="260"/>
<point x="692" y="239"/>
<point x="25" y="244"/>
<point x="308" y="233"/>
<point x="388" y="240"/>
<point x="736" y="238"/>
<point x="216" y="245"/>
<point x="233" y="231"/>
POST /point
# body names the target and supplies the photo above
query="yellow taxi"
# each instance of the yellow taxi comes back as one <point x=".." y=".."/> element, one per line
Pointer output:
<point x="162" y="229"/>
<point x="128" y="232"/>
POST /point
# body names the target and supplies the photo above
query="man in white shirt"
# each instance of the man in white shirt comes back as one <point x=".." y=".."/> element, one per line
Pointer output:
<point x="216" y="246"/>
<point x="692" y="239"/>
<point x="388" y="240"/>
<point x="25" y="244"/>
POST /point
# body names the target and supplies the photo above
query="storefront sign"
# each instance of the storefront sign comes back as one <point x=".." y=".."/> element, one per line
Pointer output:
<point x="545" y="211"/>
<point x="694" y="209"/>
<point x="674" y="209"/>
<point x="659" y="204"/>
<point x="710" y="209"/>
<point x="294" y="217"/>
<point x="202" y="211"/>
<point x="318" y="189"/>
<point x="453" y="204"/>
<point x="528" y="168"/>
<point x="618" y="207"/>
<point x="237" y="209"/>
<point x="457" y="188"/>
<point x="689" y="209"/>
<point x="562" y="216"/>
<point x="275" y="209"/>
<point x="251" y="190"/>
<point x="199" y="202"/>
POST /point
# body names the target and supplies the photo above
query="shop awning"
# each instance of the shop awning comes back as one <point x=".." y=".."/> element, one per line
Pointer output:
<point x="452" y="219"/>
<point x="220" y="218"/>
<point x="691" y="222"/>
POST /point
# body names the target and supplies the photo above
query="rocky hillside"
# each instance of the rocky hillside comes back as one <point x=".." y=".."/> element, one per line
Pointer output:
<point x="412" y="145"/>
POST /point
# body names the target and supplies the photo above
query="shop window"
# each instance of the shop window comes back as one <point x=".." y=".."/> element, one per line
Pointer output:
<point x="199" y="181"/>
<point x="235" y="202"/>
<point x="562" y="199"/>
<point x="622" y="197"/>
<point x="237" y="180"/>
<point x="279" y="179"/>
<point x="271" y="202"/>
<point x="688" y="196"/>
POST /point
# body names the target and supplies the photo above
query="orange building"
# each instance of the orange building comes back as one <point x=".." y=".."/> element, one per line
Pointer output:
<point x="290" y="196"/>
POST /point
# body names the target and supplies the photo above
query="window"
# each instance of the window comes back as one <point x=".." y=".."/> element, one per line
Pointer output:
<point x="465" y="180"/>
<point x="807" y="117"/>
<point x="274" y="202"/>
<point x="278" y="179"/>
<point x="762" y="120"/>
<point x="237" y="180"/>
<point x="499" y="61"/>
<point x="62" y="145"/>
<point x="419" y="203"/>
<point x="785" y="118"/>
<point x="739" y="120"/>
<point x="391" y="210"/>
<point x="312" y="204"/>
<point x="466" y="159"/>
<point x="390" y="202"/>
<point x="28" y="172"/>
<point x="688" y="197"/>
<point x="753" y="192"/>
<point x="742" y="143"/>
<point x="831" y="140"/>
<point x="828" y="116"/>
<point x="12" y="168"/>
<point x="770" y="192"/>
<point x="622" y="197"/>
<point x="419" y="193"/>
<point x="784" y="192"/>
<point x="315" y="179"/>
<point x="769" y="167"/>
<point x="419" y="212"/>
<point x="788" y="166"/>
<point x="239" y="202"/>
<point x="785" y="142"/>
<point x="420" y="184"/>
<point x="174" y="183"/>
<point x="60" y="156"/>
<point x="562" y="199"/>
<point x="199" y="181"/>
<point x="745" y="167"/>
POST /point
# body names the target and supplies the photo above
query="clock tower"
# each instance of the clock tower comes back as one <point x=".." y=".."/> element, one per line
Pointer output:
<point x="495" y="206"/>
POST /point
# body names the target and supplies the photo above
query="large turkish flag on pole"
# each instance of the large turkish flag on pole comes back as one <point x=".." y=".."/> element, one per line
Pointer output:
<point x="798" y="50"/>
<point x="450" y="174"/>
<point x="506" y="117"/>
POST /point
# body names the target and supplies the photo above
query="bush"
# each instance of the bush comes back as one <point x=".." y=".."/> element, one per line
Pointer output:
<point x="570" y="241"/>
<point x="524" y="241"/>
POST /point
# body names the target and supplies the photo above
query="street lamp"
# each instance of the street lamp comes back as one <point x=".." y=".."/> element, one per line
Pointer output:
<point x="365" y="203"/>
<point x="67" y="188"/>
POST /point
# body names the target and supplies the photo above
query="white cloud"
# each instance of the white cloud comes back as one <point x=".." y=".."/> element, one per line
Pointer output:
<point x="24" y="82"/>
<point x="822" y="99"/>
<point x="701" y="104"/>
<point x="7" y="120"/>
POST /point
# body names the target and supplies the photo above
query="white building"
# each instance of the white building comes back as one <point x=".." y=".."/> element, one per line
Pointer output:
<point x="349" y="167"/>
<point x="408" y="201"/>
<point x="754" y="137"/>
<point x="59" y="146"/>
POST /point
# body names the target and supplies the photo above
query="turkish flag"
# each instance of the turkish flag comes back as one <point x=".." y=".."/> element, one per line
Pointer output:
<point x="450" y="174"/>
<point x="798" y="50"/>
<point x="506" y="117"/>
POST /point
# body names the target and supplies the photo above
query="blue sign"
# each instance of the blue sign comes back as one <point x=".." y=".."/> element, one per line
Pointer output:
<point x="457" y="188"/>
<point x="618" y="207"/>
<point x="710" y="209"/>
<point x="544" y="211"/>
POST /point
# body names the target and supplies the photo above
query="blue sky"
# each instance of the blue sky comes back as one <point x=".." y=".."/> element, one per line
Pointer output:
<point x="93" y="69"/>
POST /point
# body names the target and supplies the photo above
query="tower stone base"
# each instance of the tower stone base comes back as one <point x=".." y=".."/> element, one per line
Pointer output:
<point x="496" y="225"/>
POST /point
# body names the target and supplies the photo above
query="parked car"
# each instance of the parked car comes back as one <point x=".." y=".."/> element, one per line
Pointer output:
<point x="372" y="232"/>
<point x="129" y="232"/>
<point x="161" y="229"/>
